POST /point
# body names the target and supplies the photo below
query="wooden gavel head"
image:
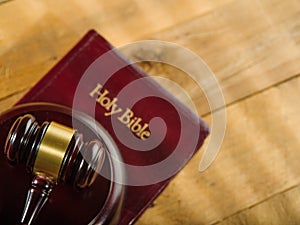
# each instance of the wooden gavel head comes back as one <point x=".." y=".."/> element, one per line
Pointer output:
<point x="54" y="153"/>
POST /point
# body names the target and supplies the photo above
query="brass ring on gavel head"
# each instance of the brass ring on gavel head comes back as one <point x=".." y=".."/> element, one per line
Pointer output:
<point x="52" y="150"/>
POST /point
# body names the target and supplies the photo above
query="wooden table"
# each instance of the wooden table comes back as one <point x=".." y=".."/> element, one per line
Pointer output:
<point x="253" y="47"/>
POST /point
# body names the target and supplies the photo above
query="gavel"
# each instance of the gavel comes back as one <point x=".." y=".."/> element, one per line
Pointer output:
<point x="53" y="153"/>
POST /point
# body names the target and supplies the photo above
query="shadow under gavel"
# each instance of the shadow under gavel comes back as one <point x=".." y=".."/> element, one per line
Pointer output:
<point x="54" y="154"/>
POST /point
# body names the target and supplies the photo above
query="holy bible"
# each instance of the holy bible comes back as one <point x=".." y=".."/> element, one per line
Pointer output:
<point x="156" y="134"/>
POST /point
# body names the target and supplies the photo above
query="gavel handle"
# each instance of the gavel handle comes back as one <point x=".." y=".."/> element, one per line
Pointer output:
<point x="37" y="196"/>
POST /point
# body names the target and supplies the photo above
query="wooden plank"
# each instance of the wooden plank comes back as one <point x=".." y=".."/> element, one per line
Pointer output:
<point x="282" y="208"/>
<point x="258" y="159"/>
<point x="250" y="45"/>
<point x="125" y="18"/>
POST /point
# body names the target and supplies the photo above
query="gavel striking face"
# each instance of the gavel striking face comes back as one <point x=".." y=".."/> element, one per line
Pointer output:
<point x="54" y="153"/>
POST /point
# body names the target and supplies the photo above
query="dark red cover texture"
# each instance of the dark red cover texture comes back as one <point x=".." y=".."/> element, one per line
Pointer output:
<point x="82" y="81"/>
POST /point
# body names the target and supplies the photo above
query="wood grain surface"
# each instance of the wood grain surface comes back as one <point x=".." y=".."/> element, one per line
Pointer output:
<point x="252" y="46"/>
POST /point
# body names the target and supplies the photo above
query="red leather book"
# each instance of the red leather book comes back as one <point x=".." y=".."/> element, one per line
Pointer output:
<point x="155" y="133"/>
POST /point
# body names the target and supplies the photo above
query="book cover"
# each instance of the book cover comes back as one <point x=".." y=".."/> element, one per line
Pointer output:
<point x="155" y="133"/>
